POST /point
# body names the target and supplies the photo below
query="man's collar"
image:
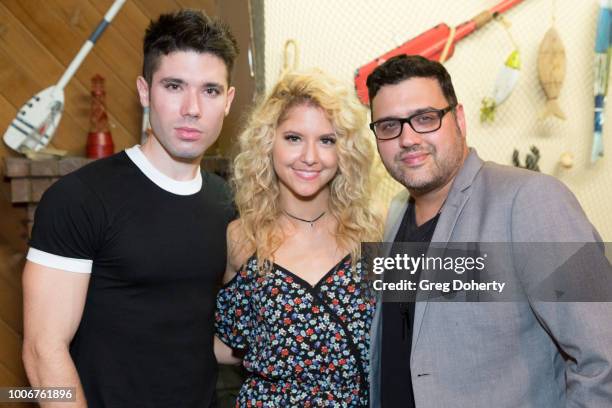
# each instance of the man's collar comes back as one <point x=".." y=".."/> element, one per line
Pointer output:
<point x="468" y="171"/>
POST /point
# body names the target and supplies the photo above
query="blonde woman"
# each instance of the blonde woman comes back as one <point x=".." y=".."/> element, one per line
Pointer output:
<point x="295" y="300"/>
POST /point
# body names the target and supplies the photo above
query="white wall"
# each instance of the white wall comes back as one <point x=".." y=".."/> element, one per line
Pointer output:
<point x="341" y="35"/>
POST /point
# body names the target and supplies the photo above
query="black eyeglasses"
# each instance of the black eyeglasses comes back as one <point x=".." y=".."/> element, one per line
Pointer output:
<point x="422" y="122"/>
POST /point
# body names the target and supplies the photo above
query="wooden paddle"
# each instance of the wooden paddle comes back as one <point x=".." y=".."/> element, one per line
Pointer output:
<point x="37" y="120"/>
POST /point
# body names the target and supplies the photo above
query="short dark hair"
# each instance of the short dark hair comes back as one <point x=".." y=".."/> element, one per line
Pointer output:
<point x="402" y="67"/>
<point x="187" y="30"/>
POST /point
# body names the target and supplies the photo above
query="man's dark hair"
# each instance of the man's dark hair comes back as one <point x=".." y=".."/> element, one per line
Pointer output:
<point x="402" y="67"/>
<point x="187" y="30"/>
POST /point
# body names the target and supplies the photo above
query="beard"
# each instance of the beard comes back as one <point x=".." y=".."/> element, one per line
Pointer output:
<point x="440" y="168"/>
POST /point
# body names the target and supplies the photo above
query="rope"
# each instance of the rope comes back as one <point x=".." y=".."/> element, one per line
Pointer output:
<point x="449" y="42"/>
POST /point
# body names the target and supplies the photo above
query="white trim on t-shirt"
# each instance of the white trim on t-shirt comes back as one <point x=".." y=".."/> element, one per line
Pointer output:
<point x="169" y="184"/>
<point x="59" y="262"/>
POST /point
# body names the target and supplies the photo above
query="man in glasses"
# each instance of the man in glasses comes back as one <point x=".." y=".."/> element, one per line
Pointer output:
<point x="453" y="354"/>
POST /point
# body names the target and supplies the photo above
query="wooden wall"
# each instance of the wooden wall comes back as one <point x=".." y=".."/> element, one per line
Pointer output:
<point x="38" y="39"/>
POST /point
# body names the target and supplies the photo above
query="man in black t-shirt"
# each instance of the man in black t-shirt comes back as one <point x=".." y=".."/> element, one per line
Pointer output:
<point x="126" y="253"/>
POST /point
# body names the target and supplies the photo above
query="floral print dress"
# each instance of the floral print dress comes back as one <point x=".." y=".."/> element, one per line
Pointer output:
<point x="306" y="346"/>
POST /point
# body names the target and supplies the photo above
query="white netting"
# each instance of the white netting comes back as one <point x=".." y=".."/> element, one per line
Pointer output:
<point x="341" y="35"/>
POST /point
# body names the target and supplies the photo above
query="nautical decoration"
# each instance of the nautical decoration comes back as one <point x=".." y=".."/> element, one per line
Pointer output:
<point x="567" y="160"/>
<point x="38" y="119"/>
<point x="602" y="72"/>
<point x="437" y="43"/>
<point x="99" y="140"/>
<point x="551" y="72"/>
<point x="531" y="160"/>
<point x="506" y="81"/>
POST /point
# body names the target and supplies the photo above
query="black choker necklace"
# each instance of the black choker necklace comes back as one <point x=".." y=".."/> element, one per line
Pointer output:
<point x="311" y="222"/>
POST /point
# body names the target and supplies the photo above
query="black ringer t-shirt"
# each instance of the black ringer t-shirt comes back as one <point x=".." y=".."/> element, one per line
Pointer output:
<point x="156" y="250"/>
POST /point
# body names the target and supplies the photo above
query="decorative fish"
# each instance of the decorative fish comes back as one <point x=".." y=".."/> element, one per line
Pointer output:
<point x="551" y="72"/>
<point x="506" y="81"/>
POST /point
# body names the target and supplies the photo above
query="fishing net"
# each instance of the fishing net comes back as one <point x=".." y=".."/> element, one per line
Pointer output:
<point x="341" y="35"/>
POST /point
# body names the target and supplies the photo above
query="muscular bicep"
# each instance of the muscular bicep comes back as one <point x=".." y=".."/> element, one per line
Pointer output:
<point x="53" y="302"/>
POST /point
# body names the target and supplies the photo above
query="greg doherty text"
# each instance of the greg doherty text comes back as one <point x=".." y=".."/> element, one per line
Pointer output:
<point x="444" y="287"/>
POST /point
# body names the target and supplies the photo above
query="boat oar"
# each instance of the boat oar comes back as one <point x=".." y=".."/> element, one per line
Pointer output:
<point x="437" y="43"/>
<point x="38" y="119"/>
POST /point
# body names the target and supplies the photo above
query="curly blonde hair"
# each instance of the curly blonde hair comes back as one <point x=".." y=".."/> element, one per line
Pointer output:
<point x="256" y="184"/>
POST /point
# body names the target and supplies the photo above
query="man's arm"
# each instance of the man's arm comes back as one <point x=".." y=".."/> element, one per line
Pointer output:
<point x="547" y="213"/>
<point x="53" y="302"/>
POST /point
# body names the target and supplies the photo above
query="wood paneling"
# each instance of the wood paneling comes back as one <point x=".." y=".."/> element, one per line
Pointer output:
<point x="10" y="352"/>
<point x="209" y="6"/>
<point x="10" y="305"/>
<point x="12" y="227"/>
<point x="11" y="329"/>
<point x="129" y="23"/>
<point x="153" y="8"/>
<point x="10" y="269"/>
<point x="7" y="378"/>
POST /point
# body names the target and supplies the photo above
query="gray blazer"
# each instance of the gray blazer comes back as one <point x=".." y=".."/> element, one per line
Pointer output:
<point x="505" y="354"/>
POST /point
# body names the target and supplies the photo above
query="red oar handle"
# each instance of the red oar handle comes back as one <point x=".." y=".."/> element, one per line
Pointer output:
<point x="420" y="45"/>
<point x="483" y="18"/>
<point x="504" y="5"/>
<point x="467" y="28"/>
<point x="429" y="44"/>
